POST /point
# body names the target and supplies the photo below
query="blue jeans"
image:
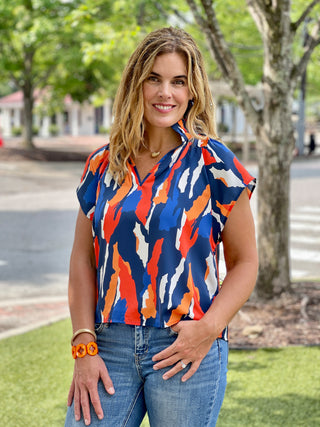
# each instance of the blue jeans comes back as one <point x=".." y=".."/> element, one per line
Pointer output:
<point x="127" y="352"/>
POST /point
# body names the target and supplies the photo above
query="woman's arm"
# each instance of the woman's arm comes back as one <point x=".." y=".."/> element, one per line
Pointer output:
<point x="240" y="253"/>
<point x="82" y="299"/>
<point x="82" y="276"/>
<point x="195" y="338"/>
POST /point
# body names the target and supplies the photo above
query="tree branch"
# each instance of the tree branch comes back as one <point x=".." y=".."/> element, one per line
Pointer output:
<point x="41" y="81"/>
<point x="305" y="13"/>
<point x="312" y="41"/>
<point x="244" y="46"/>
<point x="256" y="10"/>
<point x="180" y="16"/>
<point x="223" y="56"/>
<point x="18" y="82"/>
<point x="266" y="14"/>
<point x="175" y="11"/>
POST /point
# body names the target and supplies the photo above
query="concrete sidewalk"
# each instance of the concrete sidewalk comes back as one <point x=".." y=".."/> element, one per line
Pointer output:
<point x="24" y="315"/>
<point x="64" y="143"/>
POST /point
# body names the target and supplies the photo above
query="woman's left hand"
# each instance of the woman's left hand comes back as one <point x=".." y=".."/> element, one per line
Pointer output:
<point x="191" y="346"/>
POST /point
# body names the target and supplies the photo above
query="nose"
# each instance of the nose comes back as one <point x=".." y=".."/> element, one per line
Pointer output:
<point x="165" y="90"/>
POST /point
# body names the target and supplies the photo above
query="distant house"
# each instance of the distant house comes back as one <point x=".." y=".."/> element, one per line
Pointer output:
<point x="75" y="119"/>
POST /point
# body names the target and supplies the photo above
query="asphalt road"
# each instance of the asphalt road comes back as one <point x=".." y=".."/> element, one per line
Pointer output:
<point x="38" y="209"/>
<point x="305" y="219"/>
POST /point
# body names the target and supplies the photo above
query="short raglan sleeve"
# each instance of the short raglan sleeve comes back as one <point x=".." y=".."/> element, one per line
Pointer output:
<point x="228" y="178"/>
<point x="87" y="191"/>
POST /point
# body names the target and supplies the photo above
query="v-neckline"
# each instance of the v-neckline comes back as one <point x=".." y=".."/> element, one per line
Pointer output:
<point x="139" y="181"/>
<point x="157" y="166"/>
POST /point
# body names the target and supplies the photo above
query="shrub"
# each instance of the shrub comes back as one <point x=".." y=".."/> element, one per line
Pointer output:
<point x="16" y="131"/>
<point x="103" y="130"/>
<point x="35" y="130"/>
<point x="53" y="130"/>
<point x="222" y="127"/>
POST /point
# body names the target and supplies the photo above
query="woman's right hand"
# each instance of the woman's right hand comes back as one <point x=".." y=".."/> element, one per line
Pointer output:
<point x="84" y="387"/>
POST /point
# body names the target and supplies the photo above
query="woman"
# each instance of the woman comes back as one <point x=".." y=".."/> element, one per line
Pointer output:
<point x="158" y="200"/>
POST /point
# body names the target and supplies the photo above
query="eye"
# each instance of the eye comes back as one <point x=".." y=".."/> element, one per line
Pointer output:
<point x="179" y="82"/>
<point x="152" y="79"/>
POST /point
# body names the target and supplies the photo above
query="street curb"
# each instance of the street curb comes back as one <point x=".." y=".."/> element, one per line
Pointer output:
<point x="32" y="308"/>
<point x="28" y="328"/>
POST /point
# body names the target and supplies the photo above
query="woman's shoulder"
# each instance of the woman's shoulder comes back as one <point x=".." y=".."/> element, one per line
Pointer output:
<point x="97" y="159"/>
<point x="100" y="152"/>
<point x="223" y="163"/>
<point x="215" y="151"/>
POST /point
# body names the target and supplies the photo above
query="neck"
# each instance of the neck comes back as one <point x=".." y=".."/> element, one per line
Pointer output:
<point x="161" y="140"/>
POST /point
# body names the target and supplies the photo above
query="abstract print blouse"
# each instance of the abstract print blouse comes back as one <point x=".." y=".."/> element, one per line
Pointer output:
<point x="156" y="239"/>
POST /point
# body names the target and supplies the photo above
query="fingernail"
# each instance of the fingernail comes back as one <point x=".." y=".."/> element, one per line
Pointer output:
<point x="155" y="367"/>
<point x="165" y="376"/>
<point x="111" y="390"/>
<point x="86" y="422"/>
<point x="100" y="416"/>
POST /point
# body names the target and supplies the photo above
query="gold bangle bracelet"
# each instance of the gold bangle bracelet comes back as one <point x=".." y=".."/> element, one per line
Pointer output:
<point x="82" y="331"/>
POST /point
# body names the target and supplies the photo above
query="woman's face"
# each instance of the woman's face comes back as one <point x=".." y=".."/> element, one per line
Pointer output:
<point x="165" y="91"/>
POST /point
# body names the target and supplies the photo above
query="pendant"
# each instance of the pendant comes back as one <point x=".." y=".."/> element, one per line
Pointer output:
<point x="155" y="154"/>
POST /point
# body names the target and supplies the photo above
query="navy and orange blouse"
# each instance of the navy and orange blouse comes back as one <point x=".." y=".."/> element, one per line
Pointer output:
<point x="155" y="239"/>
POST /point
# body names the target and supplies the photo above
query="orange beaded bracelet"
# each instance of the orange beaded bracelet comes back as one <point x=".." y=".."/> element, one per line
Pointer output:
<point x="80" y="350"/>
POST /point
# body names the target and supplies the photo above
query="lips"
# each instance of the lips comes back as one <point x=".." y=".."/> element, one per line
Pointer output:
<point x="163" y="107"/>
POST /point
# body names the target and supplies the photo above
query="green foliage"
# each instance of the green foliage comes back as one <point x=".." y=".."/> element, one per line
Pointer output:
<point x="32" y="34"/>
<point x="222" y="127"/>
<point x="103" y="130"/>
<point x="35" y="130"/>
<point x="30" y="39"/>
<point x="53" y="130"/>
<point x="108" y="32"/>
<point x="312" y="81"/>
<point x="266" y="388"/>
<point x="16" y="131"/>
<point x="80" y="47"/>
<point x="242" y="37"/>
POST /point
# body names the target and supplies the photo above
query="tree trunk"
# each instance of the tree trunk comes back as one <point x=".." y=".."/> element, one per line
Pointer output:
<point x="28" y="100"/>
<point x="28" y="118"/>
<point x="275" y="140"/>
<point x="271" y="122"/>
<point x="273" y="210"/>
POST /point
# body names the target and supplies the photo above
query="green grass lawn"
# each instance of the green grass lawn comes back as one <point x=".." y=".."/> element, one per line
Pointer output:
<point x="277" y="387"/>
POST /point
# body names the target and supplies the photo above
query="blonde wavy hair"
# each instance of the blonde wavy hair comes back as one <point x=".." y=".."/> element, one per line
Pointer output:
<point x="127" y="132"/>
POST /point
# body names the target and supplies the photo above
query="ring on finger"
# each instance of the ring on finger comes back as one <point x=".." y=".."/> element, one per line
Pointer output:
<point x="183" y="364"/>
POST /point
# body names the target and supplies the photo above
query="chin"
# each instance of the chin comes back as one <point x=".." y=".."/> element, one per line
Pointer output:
<point x="164" y="123"/>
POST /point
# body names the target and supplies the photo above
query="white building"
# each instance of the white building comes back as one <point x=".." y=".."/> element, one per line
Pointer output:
<point x="75" y="119"/>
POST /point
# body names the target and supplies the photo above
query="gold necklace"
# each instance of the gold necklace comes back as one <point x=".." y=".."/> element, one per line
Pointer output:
<point x="155" y="154"/>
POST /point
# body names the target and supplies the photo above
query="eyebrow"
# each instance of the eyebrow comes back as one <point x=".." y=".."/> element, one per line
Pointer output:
<point x="174" y="77"/>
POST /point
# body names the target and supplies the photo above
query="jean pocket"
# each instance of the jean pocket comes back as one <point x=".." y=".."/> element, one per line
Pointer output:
<point x="172" y="332"/>
<point x="99" y="327"/>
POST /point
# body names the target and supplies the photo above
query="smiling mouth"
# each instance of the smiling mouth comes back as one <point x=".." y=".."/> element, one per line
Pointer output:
<point x="164" y="107"/>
